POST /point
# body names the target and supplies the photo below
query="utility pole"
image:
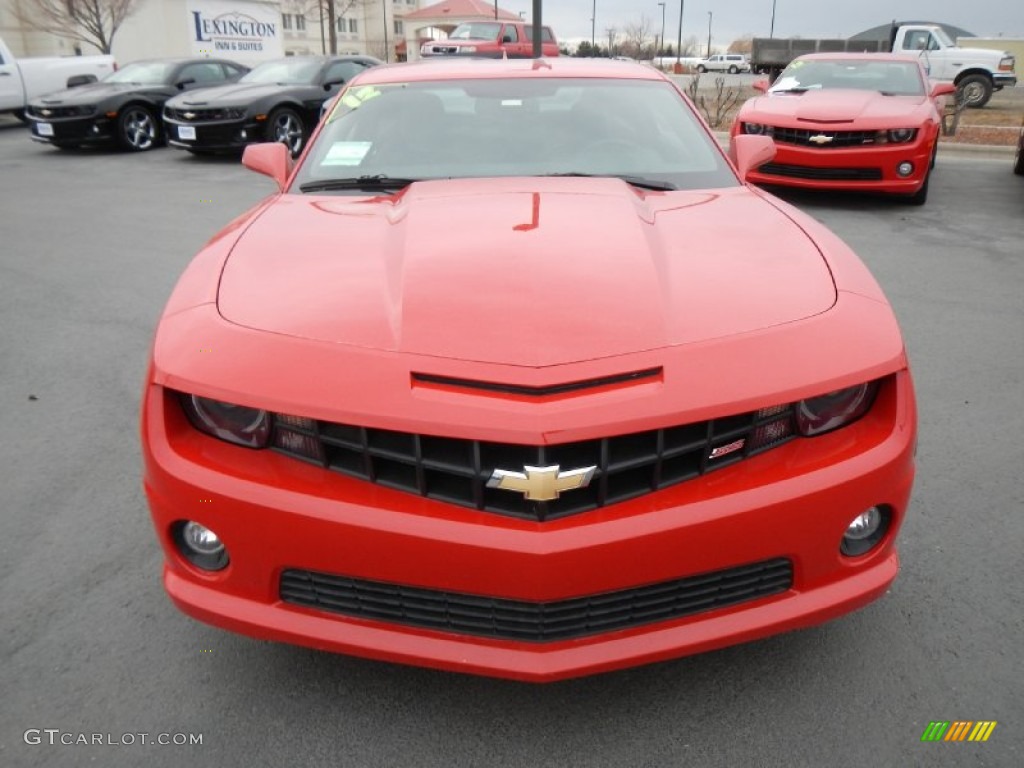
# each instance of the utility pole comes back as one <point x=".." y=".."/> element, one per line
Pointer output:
<point x="661" y="46"/>
<point x="611" y="41"/>
<point x="593" y="25"/>
<point x="384" y="8"/>
<point x="679" y="40"/>
<point x="538" y="29"/>
<point x="771" y="32"/>
<point x="709" y="34"/>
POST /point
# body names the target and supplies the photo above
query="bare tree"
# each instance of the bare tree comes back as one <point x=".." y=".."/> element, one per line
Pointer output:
<point x="330" y="11"/>
<point x="637" y="34"/>
<point x="93" y="22"/>
<point x="719" y="106"/>
<point x="611" y="32"/>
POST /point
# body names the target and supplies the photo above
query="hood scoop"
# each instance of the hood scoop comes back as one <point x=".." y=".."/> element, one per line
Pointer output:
<point x="493" y="388"/>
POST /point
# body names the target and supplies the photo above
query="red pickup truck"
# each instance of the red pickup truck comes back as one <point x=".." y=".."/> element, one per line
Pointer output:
<point x="492" y="40"/>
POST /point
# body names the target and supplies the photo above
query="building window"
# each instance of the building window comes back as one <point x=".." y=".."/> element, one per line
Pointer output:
<point x="398" y="26"/>
<point x="300" y="22"/>
<point x="286" y="20"/>
<point x="353" y="26"/>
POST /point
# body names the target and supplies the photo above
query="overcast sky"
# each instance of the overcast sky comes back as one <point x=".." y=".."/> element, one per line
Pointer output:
<point x="805" y="18"/>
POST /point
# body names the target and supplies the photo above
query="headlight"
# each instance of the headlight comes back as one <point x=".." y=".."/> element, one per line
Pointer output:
<point x="234" y="423"/>
<point x="756" y="129"/>
<point x="901" y="135"/>
<point x="818" y="415"/>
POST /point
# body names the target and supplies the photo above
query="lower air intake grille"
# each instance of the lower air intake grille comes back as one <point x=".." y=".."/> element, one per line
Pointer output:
<point x="824" y="174"/>
<point x="505" y="619"/>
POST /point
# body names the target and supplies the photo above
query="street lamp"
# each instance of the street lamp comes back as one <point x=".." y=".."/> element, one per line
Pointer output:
<point x="709" y="34"/>
<point x="679" y="40"/>
<point x="771" y="32"/>
<point x="593" y="19"/>
<point x="495" y="10"/>
<point x="657" y="53"/>
<point x="384" y="8"/>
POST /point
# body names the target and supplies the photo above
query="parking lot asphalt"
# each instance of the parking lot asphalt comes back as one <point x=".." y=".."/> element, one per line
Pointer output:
<point x="91" y="244"/>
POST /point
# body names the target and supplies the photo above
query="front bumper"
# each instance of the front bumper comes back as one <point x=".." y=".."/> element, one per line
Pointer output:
<point x="275" y="513"/>
<point x="870" y="168"/>
<point x="72" y="130"/>
<point x="1004" y="80"/>
<point x="221" y="136"/>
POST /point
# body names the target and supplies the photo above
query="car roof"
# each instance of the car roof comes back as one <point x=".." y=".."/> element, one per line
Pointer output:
<point x="458" y="68"/>
<point x="843" y="56"/>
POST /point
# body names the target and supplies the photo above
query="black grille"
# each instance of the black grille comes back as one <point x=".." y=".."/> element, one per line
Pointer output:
<point x="824" y="174"/>
<point x="47" y="113"/>
<point x="505" y="619"/>
<point x="456" y="471"/>
<point x="555" y="389"/>
<point x="203" y="115"/>
<point x="837" y="139"/>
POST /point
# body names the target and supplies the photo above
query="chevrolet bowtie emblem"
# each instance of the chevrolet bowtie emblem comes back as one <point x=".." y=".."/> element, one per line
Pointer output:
<point x="821" y="138"/>
<point x="541" y="483"/>
<point x="188" y="115"/>
<point x="46" y="111"/>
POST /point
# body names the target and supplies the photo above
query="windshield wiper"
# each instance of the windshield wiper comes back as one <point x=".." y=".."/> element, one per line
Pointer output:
<point x="378" y="183"/>
<point x="636" y="181"/>
<point x="799" y="89"/>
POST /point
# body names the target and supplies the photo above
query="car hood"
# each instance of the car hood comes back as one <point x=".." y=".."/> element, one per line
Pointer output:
<point x="831" y="106"/>
<point x="531" y="272"/>
<point x="94" y="93"/>
<point x="234" y="94"/>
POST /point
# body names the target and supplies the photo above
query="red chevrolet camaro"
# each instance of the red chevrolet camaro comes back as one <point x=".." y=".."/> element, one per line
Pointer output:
<point x="862" y="122"/>
<point x="515" y="376"/>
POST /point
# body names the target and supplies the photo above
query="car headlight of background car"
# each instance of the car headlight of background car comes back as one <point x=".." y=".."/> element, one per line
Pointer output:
<point x="896" y="136"/>
<point x="757" y="129"/>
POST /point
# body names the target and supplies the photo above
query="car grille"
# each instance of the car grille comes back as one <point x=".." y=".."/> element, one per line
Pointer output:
<point x="823" y="174"/>
<point x="49" y="113"/>
<point x="202" y="115"/>
<point x="839" y="139"/>
<point x="537" y="622"/>
<point x="456" y="471"/>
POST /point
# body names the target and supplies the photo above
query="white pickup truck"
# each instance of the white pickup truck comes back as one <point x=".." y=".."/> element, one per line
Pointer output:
<point x="976" y="72"/>
<point x="26" y="79"/>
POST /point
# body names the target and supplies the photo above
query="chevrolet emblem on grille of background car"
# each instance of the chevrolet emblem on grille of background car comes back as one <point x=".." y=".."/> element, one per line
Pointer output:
<point x="541" y="483"/>
<point x="188" y="115"/>
<point x="821" y="138"/>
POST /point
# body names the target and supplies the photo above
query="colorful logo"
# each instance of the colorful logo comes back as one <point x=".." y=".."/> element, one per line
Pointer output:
<point x="958" y="730"/>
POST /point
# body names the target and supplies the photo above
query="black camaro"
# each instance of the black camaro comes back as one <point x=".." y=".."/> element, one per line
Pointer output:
<point x="278" y="101"/>
<point x="124" y="106"/>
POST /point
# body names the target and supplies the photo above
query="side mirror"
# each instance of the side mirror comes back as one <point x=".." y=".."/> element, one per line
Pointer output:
<point x="942" y="89"/>
<point x="761" y="86"/>
<point x="271" y="159"/>
<point x="181" y="84"/>
<point x="77" y="80"/>
<point x="333" y="84"/>
<point x="750" y="152"/>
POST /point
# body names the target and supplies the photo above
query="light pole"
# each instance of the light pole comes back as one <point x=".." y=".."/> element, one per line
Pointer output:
<point x="384" y="8"/>
<point x="495" y="10"/>
<point x="771" y="32"/>
<point x="657" y="53"/>
<point x="709" y="34"/>
<point x="679" y="40"/>
<point x="593" y="20"/>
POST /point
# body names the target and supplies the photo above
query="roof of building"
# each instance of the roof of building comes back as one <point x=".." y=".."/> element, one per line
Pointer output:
<point x="463" y="10"/>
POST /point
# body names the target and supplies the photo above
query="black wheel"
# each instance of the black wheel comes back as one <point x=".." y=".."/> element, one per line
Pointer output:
<point x="975" y="90"/>
<point x="286" y="126"/>
<point x="137" y="129"/>
<point x="935" y="153"/>
<point x="20" y="114"/>
<point x="701" y="68"/>
<point x="1018" y="160"/>
<point x="921" y="196"/>
<point x="733" y="69"/>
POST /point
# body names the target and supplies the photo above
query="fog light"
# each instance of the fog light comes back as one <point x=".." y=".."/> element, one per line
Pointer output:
<point x="865" y="531"/>
<point x="200" y="546"/>
<point x="905" y="169"/>
<point x="243" y="135"/>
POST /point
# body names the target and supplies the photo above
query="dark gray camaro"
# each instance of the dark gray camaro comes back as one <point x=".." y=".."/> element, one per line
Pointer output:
<point x="125" y="106"/>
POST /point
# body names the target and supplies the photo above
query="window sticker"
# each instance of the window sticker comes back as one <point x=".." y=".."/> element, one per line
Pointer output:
<point x="347" y="153"/>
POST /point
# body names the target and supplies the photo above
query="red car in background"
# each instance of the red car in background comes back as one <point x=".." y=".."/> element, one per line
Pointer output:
<point x="860" y="122"/>
<point x="490" y="385"/>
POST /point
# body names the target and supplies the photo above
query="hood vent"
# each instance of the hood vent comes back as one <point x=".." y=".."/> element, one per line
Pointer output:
<point x="619" y="379"/>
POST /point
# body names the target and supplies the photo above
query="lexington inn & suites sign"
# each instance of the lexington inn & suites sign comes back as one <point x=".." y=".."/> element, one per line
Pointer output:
<point x="223" y="28"/>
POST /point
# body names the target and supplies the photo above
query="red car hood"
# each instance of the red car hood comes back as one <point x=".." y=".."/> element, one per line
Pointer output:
<point x="531" y="272"/>
<point x="831" y="106"/>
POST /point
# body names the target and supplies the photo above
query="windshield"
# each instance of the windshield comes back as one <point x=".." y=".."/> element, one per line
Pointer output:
<point x="639" y="129"/>
<point x="895" y="78"/>
<point x="142" y="72"/>
<point x="479" y="30"/>
<point x="285" y="72"/>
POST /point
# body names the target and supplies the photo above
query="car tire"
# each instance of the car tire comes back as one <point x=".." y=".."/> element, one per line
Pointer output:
<point x="20" y="114"/>
<point x="976" y="90"/>
<point x="733" y="69"/>
<point x="921" y="196"/>
<point x="935" y="153"/>
<point x="701" y="69"/>
<point x="137" y="129"/>
<point x="286" y="126"/>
